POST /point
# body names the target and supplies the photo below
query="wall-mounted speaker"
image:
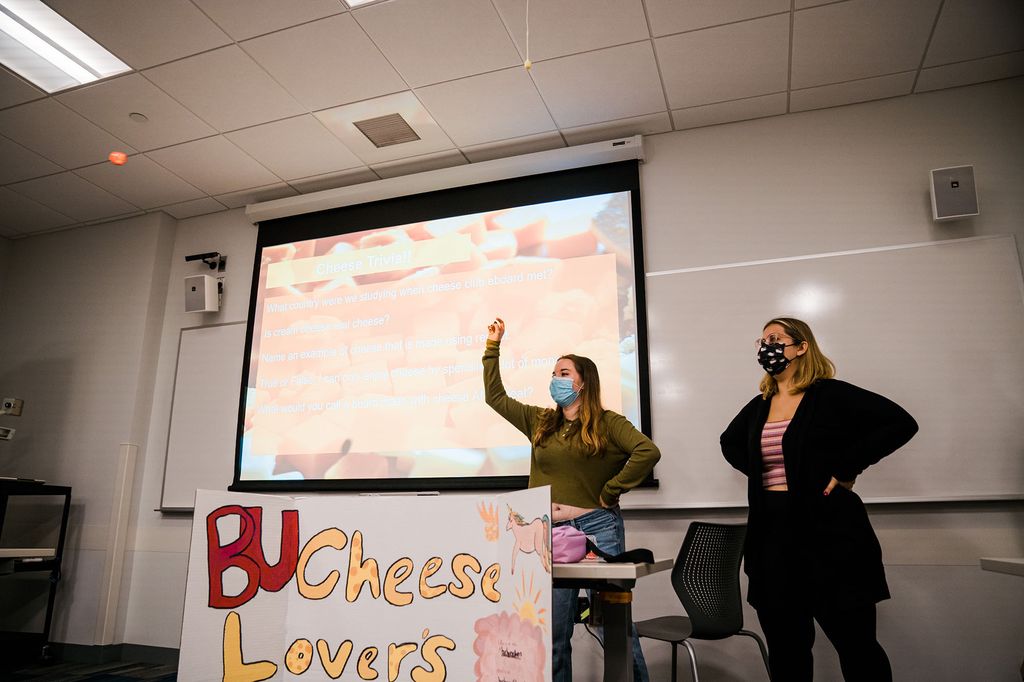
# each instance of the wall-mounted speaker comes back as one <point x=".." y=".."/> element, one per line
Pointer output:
<point x="201" y="294"/>
<point x="953" y="193"/>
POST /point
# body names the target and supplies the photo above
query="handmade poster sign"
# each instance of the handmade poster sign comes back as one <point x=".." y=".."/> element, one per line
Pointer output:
<point x="369" y="588"/>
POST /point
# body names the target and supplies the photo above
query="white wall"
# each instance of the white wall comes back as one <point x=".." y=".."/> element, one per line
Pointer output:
<point x="5" y="255"/>
<point x="822" y="181"/>
<point x="158" y="557"/>
<point x="79" y="311"/>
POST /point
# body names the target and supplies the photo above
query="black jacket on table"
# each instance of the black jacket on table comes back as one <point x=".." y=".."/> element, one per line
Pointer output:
<point x="838" y="430"/>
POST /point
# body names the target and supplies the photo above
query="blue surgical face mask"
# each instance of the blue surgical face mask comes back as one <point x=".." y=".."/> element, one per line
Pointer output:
<point x="562" y="391"/>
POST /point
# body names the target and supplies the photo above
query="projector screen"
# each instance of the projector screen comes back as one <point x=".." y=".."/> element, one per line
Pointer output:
<point x="368" y="323"/>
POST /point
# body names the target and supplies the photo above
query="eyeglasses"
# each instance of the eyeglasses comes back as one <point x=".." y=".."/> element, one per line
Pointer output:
<point x="773" y="339"/>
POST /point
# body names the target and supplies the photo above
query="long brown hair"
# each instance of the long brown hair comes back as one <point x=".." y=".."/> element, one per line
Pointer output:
<point x="807" y="368"/>
<point x="551" y="421"/>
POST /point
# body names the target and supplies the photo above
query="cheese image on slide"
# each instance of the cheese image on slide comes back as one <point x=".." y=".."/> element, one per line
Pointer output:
<point x="366" y="346"/>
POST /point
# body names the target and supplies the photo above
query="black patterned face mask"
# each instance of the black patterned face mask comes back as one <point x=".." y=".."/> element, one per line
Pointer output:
<point x="772" y="357"/>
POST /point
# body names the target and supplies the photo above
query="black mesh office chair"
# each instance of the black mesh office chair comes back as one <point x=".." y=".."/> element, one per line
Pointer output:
<point x="706" y="576"/>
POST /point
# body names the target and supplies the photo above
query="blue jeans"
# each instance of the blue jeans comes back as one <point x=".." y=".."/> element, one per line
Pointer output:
<point x="605" y="527"/>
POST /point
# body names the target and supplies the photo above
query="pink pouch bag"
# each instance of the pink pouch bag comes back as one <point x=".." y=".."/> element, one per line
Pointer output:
<point x="568" y="545"/>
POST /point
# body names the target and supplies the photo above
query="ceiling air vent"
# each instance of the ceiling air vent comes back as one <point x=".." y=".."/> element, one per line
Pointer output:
<point x="384" y="131"/>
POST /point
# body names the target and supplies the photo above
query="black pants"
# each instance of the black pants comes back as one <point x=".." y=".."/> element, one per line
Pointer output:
<point x="789" y="631"/>
<point x="787" y="613"/>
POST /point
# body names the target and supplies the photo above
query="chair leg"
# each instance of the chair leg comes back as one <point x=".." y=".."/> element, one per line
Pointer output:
<point x="761" y="646"/>
<point x="673" y="662"/>
<point x="693" y="659"/>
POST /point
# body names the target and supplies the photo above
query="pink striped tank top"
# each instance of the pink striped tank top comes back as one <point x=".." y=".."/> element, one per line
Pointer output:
<point x="773" y="469"/>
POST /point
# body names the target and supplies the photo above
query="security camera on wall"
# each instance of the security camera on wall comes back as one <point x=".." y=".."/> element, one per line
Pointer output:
<point x="201" y="295"/>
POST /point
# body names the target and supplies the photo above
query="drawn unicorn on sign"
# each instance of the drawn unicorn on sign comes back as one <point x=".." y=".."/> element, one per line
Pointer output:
<point x="531" y="537"/>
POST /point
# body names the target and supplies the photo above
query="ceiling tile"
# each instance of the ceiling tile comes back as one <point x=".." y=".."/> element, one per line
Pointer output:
<point x="214" y="165"/>
<point x="594" y="24"/>
<point x="295" y="147"/>
<point x="603" y="85"/>
<point x="247" y="18"/>
<point x="326" y="63"/>
<point x="865" y="90"/>
<point x="430" y="41"/>
<point x="143" y="33"/>
<point x="190" y="209"/>
<point x="79" y="143"/>
<point x="970" y="29"/>
<point x="597" y="74"/>
<point x="73" y="196"/>
<point x="652" y="124"/>
<point x="339" y="121"/>
<point x="966" y="73"/>
<point x="675" y="16"/>
<point x="318" y="183"/>
<point x="141" y="181"/>
<point x="515" y="147"/>
<point x="14" y="90"/>
<point x="859" y="39"/>
<point x="24" y="215"/>
<point x="729" y="112"/>
<point x="108" y="103"/>
<point x="488" y="107"/>
<point x="226" y="89"/>
<point x="725" y="63"/>
<point x="107" y="219"/>
<point x="39" y="228"/>
<point x="420" y="164"/>
<point x="18" y="163"/>
<point x="255" y="195"/>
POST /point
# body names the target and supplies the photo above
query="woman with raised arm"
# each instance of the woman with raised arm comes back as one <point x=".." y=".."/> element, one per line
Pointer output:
<point x="589" y="456"/>
<point x="811" y="553"/>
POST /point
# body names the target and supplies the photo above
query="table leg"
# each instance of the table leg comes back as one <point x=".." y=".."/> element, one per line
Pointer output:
<point x="618" y="636"/>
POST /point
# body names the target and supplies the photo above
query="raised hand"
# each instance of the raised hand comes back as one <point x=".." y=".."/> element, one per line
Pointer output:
<point x="496" y="329"/>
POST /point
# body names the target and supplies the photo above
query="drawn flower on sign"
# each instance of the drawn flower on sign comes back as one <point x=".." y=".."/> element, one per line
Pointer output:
<point x="508" y="647"/>
<point x="489" y="515"/>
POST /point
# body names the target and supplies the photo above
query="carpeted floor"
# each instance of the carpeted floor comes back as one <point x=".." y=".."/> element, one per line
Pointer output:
<point x="91" y="672"/>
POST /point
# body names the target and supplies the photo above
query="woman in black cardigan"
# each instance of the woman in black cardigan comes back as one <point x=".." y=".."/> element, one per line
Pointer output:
<point x="811" y="553"/>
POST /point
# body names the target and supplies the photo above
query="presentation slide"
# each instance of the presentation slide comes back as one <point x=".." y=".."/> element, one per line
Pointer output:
<point x="366" y="346"/>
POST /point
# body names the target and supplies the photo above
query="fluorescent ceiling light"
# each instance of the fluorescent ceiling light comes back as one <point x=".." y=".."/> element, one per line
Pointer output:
<point x="359" y="3"/>
<point x="48" y="50"/>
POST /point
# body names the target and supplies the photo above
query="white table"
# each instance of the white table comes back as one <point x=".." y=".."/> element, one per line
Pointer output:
<point x="613" y="585"/>
<point x="1013" y="566"/>
<point x="9" y="556"/>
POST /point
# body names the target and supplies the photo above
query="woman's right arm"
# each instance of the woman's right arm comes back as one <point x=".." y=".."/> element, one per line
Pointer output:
<point x="521" y="416"/>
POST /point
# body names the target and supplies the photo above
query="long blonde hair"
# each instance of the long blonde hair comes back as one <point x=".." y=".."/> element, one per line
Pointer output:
<point x="551" y="421"/>
<point x="807" y="368"/>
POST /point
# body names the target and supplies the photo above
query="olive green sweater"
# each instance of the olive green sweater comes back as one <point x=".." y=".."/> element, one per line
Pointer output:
<point x="576" y="478"/>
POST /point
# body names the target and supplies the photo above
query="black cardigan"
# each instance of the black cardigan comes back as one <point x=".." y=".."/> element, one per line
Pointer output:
<point x="838" y="430"/>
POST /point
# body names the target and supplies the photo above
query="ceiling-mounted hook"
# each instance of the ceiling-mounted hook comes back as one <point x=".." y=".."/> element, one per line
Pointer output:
<point x="527" y="64"/>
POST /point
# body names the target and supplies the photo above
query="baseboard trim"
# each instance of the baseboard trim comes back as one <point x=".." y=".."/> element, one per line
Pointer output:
<point x="149" y="654"/>
<point x="82" y="653"/>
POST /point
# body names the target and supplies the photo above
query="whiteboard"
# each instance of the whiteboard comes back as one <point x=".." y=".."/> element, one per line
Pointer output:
<point x="936" y="327"/>
<point x="204" y="413"/>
